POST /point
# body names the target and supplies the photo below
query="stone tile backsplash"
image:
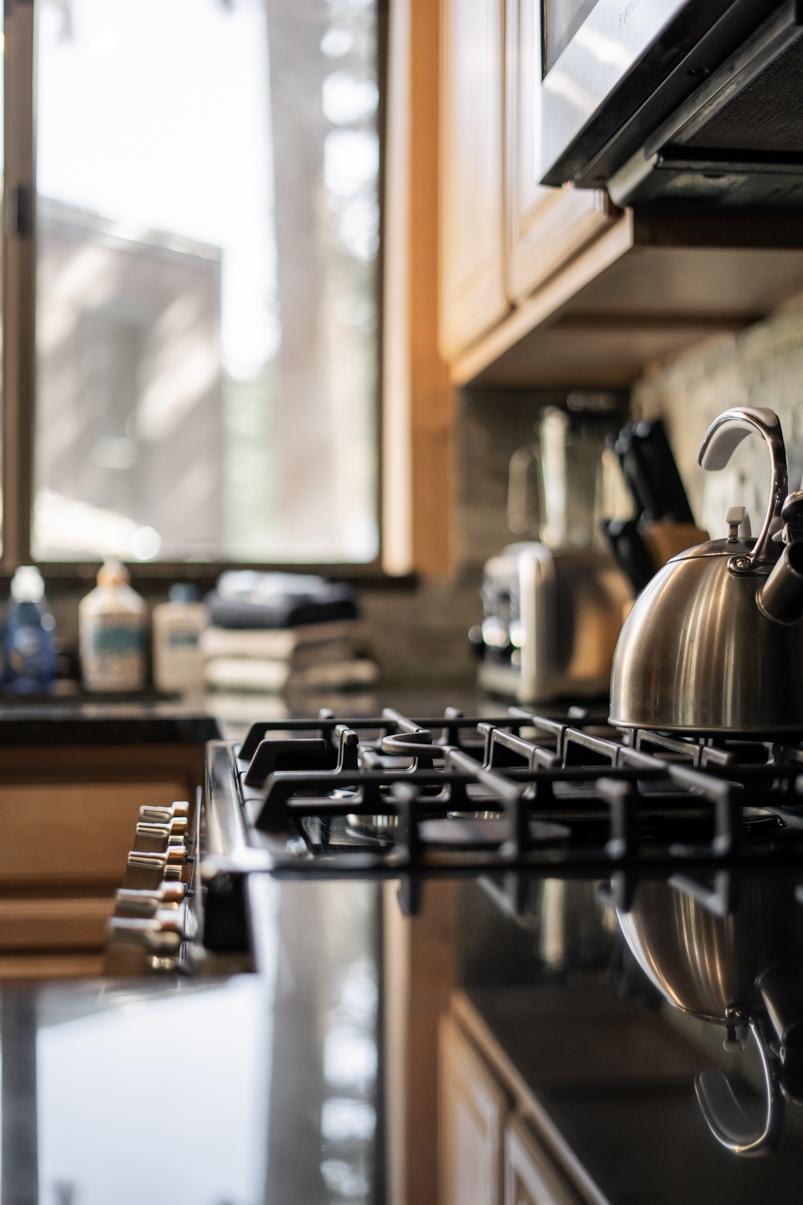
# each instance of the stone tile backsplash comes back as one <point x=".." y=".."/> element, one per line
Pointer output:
<point x="490" y="427"/>
<point x="761" y="366"/>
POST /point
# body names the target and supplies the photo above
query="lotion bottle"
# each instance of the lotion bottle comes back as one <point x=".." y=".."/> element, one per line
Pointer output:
<point x="177" y="627"/>
<point x="111" y="633"/>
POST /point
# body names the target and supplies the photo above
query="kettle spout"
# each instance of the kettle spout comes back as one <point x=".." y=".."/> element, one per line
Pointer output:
<point x="781" y="596"/>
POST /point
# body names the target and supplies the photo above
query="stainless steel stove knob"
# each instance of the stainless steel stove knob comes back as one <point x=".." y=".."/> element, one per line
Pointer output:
<point x="148" y="870"/>
<point x="163" y="966"/>
<point x="144" y="870"/>
<point x="172" y="919"/>
<point x="175" y="824"/>
<point x="158" y="897"/>
<point x="163" y="814"/>
<point x="137" y="945"/>
<point x="161" y="933"/>
<point x="172" y="893"/>
<point x="149" y="836"/>
<point x="143" y="904"/>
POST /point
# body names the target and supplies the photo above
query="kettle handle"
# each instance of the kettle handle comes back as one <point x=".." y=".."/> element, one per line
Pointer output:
<point x="724" y="436"/>
<point x="723" y="1112"/>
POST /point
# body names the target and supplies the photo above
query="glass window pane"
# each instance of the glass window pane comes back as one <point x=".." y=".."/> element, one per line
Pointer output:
<point x="206" y="280"/>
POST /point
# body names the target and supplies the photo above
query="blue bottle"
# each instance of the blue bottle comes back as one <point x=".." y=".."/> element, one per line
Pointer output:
<point x="29" y="652"/>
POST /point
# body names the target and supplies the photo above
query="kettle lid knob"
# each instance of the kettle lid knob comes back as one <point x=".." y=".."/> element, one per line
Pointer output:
<point x="738" y="521"/>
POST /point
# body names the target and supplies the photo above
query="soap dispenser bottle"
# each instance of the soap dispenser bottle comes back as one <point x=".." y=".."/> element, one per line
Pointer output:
<point x="29" y="652"/>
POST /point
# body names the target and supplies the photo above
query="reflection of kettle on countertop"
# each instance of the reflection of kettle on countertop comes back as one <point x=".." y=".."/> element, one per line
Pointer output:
<point x="736" y="961"/>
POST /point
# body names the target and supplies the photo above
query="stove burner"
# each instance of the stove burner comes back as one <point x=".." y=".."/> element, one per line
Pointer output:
<point x="484" y="831"/>
<point x="379" y="830"/>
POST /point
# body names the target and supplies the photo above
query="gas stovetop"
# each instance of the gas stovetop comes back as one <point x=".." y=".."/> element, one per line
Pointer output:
<point x="595" y="873"/>
<point x="507" y="798"/>
<point x="456" y="794"/>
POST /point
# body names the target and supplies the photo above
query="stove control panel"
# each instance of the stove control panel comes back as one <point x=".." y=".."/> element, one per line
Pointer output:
<point x="158" y="924"/>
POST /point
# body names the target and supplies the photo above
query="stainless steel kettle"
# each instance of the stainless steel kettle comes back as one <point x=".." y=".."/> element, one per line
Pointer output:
<point x="714" y="643"/>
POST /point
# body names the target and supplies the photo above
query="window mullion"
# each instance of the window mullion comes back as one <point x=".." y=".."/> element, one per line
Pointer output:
<point x="19" y="280"/>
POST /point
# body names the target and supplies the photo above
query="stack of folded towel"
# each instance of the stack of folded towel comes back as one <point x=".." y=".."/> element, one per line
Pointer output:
<point x="282" y="631"/>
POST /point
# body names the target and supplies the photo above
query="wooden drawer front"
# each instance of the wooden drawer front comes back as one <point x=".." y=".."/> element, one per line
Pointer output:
<point x="473" y="1110"/>
<point x="54" y="922"/>
<point x="73" y="833"/>
<point x="546" y="226"/>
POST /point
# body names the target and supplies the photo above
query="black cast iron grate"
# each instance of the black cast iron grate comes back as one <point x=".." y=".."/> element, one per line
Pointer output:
<point x="390" y="794"/>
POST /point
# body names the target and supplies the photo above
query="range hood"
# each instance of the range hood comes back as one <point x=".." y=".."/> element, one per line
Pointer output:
<point x="737" y="141"/>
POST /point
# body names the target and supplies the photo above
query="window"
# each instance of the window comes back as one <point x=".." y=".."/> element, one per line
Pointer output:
<point x="206" y="281"/>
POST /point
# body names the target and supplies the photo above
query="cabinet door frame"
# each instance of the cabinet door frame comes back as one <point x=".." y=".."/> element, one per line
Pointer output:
<point x="465" y="1077"/>
<point x="545" y="226"/>
<point x="530" y="1174"/>
<point x="473" y="296"/>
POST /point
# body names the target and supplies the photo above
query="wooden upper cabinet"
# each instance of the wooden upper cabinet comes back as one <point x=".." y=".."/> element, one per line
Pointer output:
<point x="472" y="288"/>
<point x="502" y="234"/>
<point x="546" y="226"/>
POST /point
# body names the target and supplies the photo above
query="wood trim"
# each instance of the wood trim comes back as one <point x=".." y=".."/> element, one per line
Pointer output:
<point x="642" y="292"/>
<point x="418" y="452"/>
<point x="544" y="305"/>
<point x="432" y="398"/>
<point x="397" y="547"/>
<point x="18" y="283"/>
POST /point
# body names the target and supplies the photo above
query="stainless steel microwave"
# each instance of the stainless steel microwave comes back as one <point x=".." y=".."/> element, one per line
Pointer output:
<point x="698" y="100"/>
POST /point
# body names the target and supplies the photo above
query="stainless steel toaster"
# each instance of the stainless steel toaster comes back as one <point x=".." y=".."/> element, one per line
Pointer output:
<point x="551" y="618"/>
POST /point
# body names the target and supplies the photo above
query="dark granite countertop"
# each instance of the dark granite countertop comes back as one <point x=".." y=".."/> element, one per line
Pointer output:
<point x="281" y="1085"/>
<point x="286" y="1084"/>
<point x="85" y="720"/>
<point x="242" y="1089"/>
<point x="71" y="721"/>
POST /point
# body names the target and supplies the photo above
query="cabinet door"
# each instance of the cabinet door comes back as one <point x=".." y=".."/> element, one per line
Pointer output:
<point x="530" y="1176"/>
<point x="472" y="292"/>
<point x="473" y="1110"/>
<point x="546" y="226"/>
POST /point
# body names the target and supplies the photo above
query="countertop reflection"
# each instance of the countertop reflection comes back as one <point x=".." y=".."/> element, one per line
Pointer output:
<point x="242" y="1090"/>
